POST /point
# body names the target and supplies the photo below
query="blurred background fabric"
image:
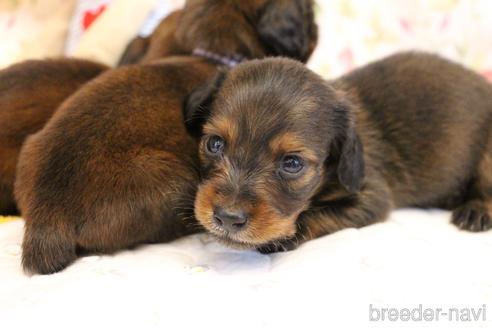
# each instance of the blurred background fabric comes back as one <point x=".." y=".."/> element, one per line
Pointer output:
<point x="92" y="29"/>
<point x="355" y="32"/>
<point x="33" y="29"/>
<point x="352" y="32"/>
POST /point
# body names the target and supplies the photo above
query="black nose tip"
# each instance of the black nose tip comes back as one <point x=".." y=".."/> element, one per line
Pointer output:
<point x="232" y="221"/>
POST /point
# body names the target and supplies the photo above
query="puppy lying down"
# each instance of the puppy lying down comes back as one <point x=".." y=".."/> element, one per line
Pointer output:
<point x="30" y="92"/>
<point x="114" y="167"/>
<point x="287" y="156"/>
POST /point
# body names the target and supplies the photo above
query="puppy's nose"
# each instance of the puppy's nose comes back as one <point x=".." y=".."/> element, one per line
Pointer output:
<point x="232" y="221"/>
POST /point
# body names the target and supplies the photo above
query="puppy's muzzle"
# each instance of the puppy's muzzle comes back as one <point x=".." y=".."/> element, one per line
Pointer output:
<point x="231" y="221"/>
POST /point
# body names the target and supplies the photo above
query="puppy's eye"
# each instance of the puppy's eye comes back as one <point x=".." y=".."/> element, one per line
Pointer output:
<point x="215" y="145"/>
<point x="292" y="164"/>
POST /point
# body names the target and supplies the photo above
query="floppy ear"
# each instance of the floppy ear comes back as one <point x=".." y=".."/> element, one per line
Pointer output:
<point x="347" y="146"/>
<point x="287" y="28"/>
<point x="351" y="166"/>
<point x="196" y="108"/>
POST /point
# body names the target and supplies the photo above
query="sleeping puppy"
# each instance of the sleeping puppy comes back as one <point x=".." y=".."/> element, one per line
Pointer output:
<point x="31" y="91"/>
<point x="258" y="27"/>
<point x="114" y="167"/>
<point x="287" y="157"/>
<point x="29" y="94"/>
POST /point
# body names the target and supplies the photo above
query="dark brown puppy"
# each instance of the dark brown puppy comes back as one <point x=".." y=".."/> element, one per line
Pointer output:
<point x="115" y="167"/>
<point x="256" y="27"/>
<point x="29" y="94"/>
<point x="31" y="91"/>
<point x="287" y="157"/>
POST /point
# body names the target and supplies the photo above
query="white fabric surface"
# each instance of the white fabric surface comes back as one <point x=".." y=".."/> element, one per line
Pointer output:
<point x="416" y="257"/>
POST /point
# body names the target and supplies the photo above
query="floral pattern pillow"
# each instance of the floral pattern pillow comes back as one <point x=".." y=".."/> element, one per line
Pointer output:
<point x="355" y="32"/>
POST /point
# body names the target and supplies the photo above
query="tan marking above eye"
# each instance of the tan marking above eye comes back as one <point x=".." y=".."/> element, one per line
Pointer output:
<point x="221" y="126"/>
<point x="289" y="143"/>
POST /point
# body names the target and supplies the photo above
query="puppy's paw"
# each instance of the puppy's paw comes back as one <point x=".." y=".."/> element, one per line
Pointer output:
<point x="45" y="251"/>
<point x="283" y="245"/>
<point x="472" y="216"/>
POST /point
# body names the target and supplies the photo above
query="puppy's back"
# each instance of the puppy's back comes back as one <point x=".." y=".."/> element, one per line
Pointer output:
<point x="29" y="94"/>
<point x="434" y="117"/>
<point x="113" y="168"/>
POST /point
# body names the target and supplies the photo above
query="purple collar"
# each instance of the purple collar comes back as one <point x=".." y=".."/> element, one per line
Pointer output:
<point x="222" y="60"/>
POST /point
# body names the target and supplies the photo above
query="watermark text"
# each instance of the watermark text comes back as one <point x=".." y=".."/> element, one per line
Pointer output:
<point x="421" y="313"/>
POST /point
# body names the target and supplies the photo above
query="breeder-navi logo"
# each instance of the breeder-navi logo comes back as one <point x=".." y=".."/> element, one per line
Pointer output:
<point x="428" y="314"/>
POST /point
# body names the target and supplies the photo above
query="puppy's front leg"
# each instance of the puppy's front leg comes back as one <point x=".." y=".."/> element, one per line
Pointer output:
<point x="329" y="214"/>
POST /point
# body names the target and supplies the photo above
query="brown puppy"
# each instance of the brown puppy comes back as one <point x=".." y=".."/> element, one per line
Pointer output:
<point x="31" y="91"/>
<point x="257" y="28"/>
<point x="115" y="167"/>
<point x="29" y="94"/>
<point x="287" y="157"/>
<point x="53" y="81"/>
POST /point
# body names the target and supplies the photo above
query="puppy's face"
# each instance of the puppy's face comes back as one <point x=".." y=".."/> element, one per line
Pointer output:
<point x="271" y="133"/>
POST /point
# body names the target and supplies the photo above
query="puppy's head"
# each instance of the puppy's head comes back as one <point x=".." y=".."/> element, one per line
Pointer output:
<point x="253" y="28"/>
<point x="272" y="134"/>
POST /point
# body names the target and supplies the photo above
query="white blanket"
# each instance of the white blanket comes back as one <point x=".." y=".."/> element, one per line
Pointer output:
<point x="415" y="259"/>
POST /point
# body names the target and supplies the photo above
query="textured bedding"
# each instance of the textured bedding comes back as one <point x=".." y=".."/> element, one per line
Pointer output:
<point x="416" y="258"/>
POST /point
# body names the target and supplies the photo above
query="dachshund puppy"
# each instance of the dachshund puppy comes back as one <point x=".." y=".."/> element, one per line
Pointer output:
<point x="31" y="91"/>
<point x="257" y="28"/>
<point x="287" y="157"/>
<point x="29" y="94"/>
<point x="114" y="167"/>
